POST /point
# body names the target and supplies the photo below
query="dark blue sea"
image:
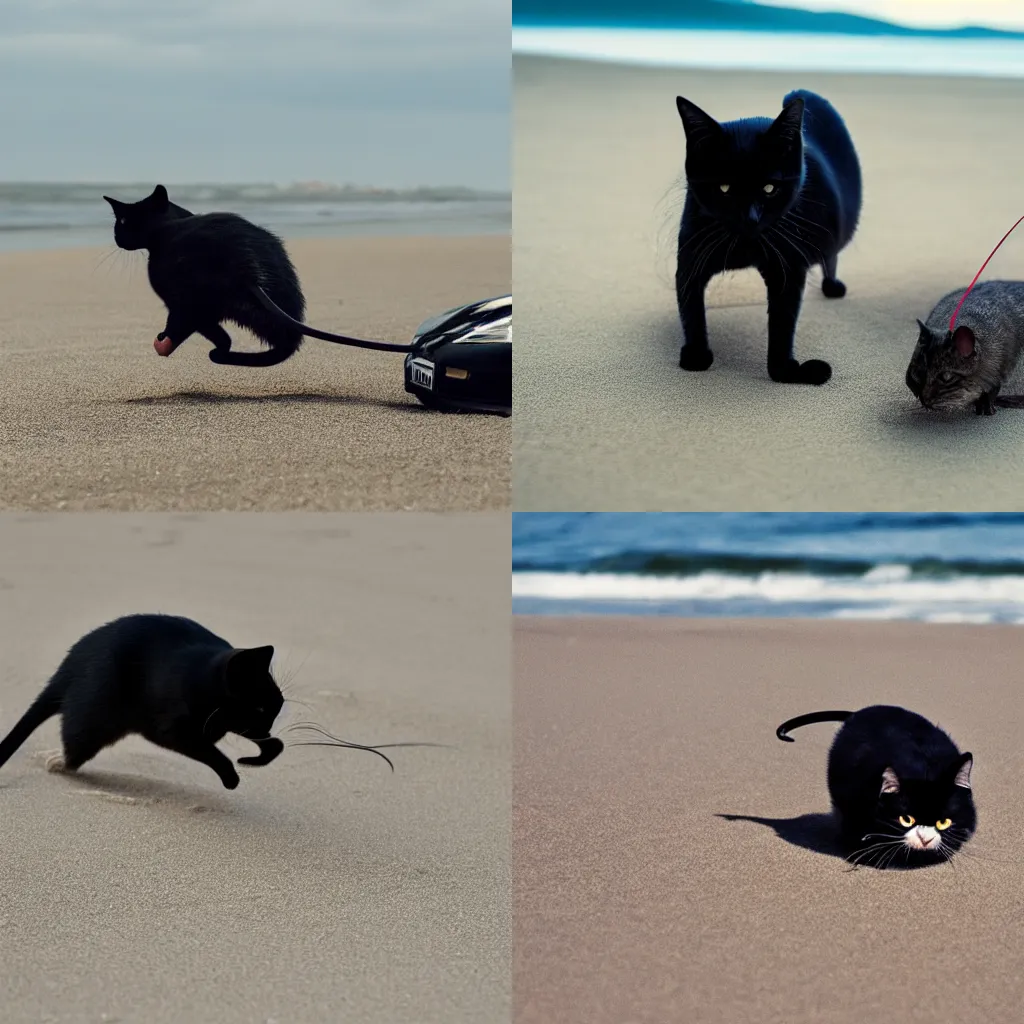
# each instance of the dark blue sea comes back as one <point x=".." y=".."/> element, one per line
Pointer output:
<point x="934" y="568"/>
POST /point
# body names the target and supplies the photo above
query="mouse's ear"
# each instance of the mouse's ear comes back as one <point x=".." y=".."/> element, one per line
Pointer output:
<point x="925" y="333"/>
<point x="890" y="783"/>
<point x="963" y="341"/>
<point x="963" y="773"/>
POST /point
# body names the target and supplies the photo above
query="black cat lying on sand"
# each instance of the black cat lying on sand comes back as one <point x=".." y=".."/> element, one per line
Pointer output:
<point x="205" y="268"/>
<point x="900" y="788"/>
<point x="165" y="678"/>
<point x="777" y="195"/>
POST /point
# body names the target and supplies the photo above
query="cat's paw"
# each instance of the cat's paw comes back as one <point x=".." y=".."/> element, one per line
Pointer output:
<point x="269" y="749"/>
<point x="230" y="781"/>
<point x="833" y="288"/>
<point x="695" y="359"/>
<point x="814" y="371"/>
<point x="985" y="406"/>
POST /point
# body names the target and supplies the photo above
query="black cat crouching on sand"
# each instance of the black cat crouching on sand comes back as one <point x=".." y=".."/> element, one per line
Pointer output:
<point x="162" y="677"/>
<point x="778" y="195"/>
<point x="900" y="788"/>
<point x="205" y="269"/>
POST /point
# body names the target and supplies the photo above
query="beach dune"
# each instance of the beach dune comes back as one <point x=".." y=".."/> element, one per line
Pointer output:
<point x="636" y="900"/>
<point x="605" y="417"/>
<point x="92" y="418"/>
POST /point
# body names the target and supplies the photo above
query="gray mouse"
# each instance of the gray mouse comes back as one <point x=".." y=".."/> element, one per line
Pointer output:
<point x="968" y="366"/>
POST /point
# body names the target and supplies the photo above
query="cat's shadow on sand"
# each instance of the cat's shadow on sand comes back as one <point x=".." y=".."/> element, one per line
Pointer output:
<point x="815" y="832"/>
<point x="184" y="398"/>
<point x="144" y="790"/>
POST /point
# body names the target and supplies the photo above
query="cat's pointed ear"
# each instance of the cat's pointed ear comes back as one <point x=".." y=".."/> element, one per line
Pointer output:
<point x="696" y="123"/>
<point x="115" y="204"/>
<point x="963" y="772"/>
<point x="250" y="661"/>
<point x="890" y="783"/>
<point x="160" y="198"/>
<point x="964" y="342"/>
<point x="788" y="126"/>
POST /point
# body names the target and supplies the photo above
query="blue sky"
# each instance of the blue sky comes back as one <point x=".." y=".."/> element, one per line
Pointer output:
<point x="394" y="93"/>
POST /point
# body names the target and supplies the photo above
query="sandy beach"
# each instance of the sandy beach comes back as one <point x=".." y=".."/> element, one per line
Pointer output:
<point x="635" y="901"/>
<point x="324" y="887"/>
<point x="605" y="417"/>
<point x="92" y="418"/>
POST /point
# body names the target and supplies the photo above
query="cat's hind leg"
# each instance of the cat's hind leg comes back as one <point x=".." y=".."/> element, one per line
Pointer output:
<point x="215" y="333"/>
<point x="83" y="739"/>
<point x="831" y="286"/>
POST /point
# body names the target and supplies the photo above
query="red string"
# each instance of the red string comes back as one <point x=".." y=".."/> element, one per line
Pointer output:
<point x="963" y="298"/>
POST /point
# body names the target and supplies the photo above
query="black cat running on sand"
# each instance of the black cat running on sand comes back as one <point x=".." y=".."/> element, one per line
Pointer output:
<point x="900" y="788"/>
<point x="778" y="195"/>
<point x="204" y="268"/>
<point x="162" y="677"/>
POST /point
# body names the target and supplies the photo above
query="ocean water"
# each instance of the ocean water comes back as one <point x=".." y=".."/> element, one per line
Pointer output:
<point x="50" y="216"/>
<point x="931" y="568"/>
<point x="776" y="51"/>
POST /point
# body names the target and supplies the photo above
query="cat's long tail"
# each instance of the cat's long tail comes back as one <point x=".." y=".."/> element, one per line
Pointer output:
<point x="45" y="706"/>
<point x="312" y="332"/>
<point x="811" y="719"/>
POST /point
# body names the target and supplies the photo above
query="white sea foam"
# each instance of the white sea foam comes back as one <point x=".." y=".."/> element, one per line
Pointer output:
<point x="777" y="51"/>
<point x="886" y="592"/>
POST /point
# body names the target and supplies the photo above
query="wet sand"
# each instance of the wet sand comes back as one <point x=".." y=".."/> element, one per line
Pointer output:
<point x="606" y="420"/>
<point x="324" y="887"/>
<point x="92" y="418"/>
<point x="634" y="900"/>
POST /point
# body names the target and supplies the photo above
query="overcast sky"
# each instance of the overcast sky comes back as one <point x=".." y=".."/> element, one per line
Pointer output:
<point x="393" y="92"/>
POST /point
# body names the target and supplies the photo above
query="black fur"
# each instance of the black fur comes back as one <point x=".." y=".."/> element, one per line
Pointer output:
<point x="807" y="161"/>
<point x="165" y="678"/>
<point x="888" y="764"/>
<point x="205" y="269"/>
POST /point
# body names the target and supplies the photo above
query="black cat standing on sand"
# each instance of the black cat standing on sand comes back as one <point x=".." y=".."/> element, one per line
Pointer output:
<point x="778" y="195"/>
<point x="900" y="788"/>
<point x="205" y="269"/>
<point x="162" y="677"/>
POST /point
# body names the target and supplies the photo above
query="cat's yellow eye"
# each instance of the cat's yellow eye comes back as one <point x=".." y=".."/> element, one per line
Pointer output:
<point x="769" y="189"/>
<point x="945" y="823"/>
<point x="724" y="188"/>
<point x="907" y="821"/>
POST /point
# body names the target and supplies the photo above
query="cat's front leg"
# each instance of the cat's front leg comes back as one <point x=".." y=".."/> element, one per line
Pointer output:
<point x="269" y="749"/>
<point x="785" y="294"/>
<point x="695" y="354"/>
<point x="206" y="753"/>
<point x="180" y="326"/>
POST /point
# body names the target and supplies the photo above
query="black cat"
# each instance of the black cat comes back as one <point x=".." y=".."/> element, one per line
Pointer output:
<point x="206" y="268"/>
<point x="900" y="787"/>
<point x="167" y="679"/>
<point x="777" y="195"/>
